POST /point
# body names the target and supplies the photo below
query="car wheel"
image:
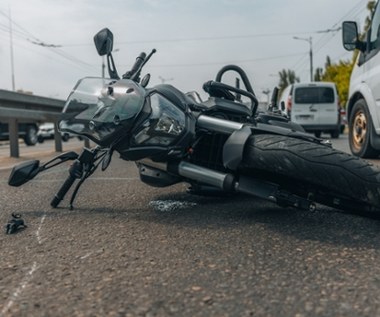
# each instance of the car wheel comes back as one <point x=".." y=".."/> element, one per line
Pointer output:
<point x="31" y="135"/>
<point x="40" y="139"/>
<point x="360" y="127"/>
<point x="335" y="134"/>
<point x="65" y="137"/>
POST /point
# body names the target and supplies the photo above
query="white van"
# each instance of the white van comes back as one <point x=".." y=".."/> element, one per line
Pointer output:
<point x="314" y="106"/>
<point x="363" y="106"/>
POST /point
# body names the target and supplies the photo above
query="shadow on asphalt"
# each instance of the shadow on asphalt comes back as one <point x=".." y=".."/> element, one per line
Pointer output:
<point x="324" y="225"/>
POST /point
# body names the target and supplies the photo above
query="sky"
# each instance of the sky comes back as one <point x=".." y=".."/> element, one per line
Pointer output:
<point x="53" y="39"/>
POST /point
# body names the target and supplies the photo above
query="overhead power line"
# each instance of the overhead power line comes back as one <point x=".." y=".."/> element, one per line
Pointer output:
<point x="21" y="32"/>
<point x="44" y="44"/>
<point x="208" y="38"/>
<point x="228" y="62"/>
<point x="353" y="13"/>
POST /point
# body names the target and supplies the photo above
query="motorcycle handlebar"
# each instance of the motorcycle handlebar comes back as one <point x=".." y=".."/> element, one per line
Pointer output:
<point x="133" y="73"/>
<point x="75" y="172"/>
<point x="62" y="191"/>
<point x="139" y="60"/>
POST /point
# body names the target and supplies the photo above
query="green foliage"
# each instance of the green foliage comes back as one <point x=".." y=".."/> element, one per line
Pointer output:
<point x="318" y="74"/>
<point x="287" y="77"/>
<point x="340" y="74"/>
<point x="371" y="8"/>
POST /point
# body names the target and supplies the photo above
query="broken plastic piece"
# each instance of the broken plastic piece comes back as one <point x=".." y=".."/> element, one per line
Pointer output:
<point x="15" y="224"/>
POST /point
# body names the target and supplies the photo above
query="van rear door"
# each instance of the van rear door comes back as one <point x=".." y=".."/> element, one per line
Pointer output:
<point x="315" y="105"/>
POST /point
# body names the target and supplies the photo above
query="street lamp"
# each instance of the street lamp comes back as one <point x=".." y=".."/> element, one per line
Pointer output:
<point x="310" y="40"/>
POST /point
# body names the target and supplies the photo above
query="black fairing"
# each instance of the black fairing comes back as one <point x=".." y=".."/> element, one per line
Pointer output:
<point x="131" y="151"/>
<point x="233" y="149"/>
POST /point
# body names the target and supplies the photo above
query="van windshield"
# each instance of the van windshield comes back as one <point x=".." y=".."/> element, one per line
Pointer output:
<point x="314" y="95"/>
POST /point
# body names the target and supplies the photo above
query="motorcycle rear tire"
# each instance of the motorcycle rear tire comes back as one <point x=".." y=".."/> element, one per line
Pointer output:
<point x="309" y="169"/>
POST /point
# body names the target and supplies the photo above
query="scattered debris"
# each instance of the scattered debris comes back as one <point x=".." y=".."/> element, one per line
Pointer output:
<point x="170" y="205"/>
<point x="15" y="224"/>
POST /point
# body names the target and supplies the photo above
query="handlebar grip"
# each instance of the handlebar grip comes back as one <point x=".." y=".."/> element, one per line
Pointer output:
<point x="62" y="191"/>
<point x="133" y="72"/>
<point x="139" y="60"/>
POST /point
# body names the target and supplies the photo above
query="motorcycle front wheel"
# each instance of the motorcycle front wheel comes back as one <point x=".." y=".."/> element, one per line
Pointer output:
<point x="314" y="171"/>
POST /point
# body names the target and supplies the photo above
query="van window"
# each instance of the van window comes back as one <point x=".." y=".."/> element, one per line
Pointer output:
<point x="314" y="95"/>
<point x="375" y="29"/>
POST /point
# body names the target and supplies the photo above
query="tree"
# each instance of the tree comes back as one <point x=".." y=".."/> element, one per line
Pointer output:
<point x="287" y="77"/>
<point x="371" y="8"/>
<point x="340" y="74"/>
<point x="318" y="74"/>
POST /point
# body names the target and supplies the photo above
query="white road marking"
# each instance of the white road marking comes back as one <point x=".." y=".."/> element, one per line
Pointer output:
<point x="39" y="229"/>
<point x="19" y="289"/>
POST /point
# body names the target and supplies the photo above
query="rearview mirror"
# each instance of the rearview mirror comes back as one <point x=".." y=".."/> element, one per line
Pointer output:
<point x="23" y="173"/>
<point x="350" y="35"/>
<point x="104" y="42"/>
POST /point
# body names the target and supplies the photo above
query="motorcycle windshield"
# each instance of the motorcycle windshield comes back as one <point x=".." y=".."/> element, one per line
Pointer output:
<point x="100" y="107"/>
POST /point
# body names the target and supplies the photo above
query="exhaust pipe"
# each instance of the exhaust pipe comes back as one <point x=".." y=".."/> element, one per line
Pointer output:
<point x="197" y="173"/>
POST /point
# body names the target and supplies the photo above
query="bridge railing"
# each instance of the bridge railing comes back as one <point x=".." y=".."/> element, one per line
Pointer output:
<point x="18" y="108"/>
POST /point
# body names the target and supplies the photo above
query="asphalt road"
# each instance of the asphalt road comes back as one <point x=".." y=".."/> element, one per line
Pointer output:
<point x="132" y="250"/>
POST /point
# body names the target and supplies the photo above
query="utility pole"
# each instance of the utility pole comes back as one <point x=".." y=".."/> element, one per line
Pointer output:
<point x="310" y="41"/>
<point x="11" y="44"/>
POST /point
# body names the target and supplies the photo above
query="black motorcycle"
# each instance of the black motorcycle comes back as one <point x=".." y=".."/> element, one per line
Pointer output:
<point x="222" y="144"/>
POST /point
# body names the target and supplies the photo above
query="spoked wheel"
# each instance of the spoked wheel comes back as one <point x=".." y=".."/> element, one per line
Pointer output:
<point x="314" y="171"/>
<point x="360" y="130"/>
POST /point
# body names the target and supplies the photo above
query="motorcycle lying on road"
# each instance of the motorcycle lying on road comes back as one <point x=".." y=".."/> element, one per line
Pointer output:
<point x="222" y="144"/>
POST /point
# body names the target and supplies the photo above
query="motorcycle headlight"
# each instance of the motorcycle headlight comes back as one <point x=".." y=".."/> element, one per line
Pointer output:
<point x="165" y="124"/>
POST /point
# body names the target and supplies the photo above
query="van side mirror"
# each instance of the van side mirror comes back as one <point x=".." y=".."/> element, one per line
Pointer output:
<point x="104" y="41"/>
<point x="351" y="36"/>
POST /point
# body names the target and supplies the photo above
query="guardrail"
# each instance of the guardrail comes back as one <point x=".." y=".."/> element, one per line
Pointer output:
<point x="17" y="108"/>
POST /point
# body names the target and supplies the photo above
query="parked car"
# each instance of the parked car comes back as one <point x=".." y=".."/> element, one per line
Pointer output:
<point x="315" y="106"/>
<point x="364" y="93"/>
<point x="27" y="131"/>
<point x="46" y="131"/>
